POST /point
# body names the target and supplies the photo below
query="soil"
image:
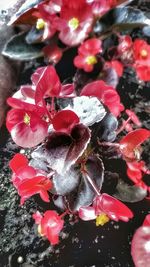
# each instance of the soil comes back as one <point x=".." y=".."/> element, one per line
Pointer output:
<point x="82" y="243"/>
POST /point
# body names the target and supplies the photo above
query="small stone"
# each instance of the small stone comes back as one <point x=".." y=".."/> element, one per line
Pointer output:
<point x="20" y="259"/>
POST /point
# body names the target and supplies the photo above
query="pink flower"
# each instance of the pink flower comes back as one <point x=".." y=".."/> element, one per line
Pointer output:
<point x="87" y="52"/>
<point x="141" y="54"/>
<point x="45" y="20"/>
<point x="27" y="128"/>
<point x="108" y="205"/>
<point x="28" y="180"/>
<point x="112" y="207"/>
<point x="74" y="24"/>
<point x="50" y="225"/>
<point x="107" y="94"/>
<point x="140" y="246"/>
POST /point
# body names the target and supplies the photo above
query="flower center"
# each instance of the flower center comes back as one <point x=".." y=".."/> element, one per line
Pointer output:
<point x="102" y="219"/>
<point x="40" y="230"/>
<point x="144" y="53"/>
<point x="91" y="60"/>
<point x="26" y="119"/>
<point x="40" y="24"/>
<point x="73" y="23"/>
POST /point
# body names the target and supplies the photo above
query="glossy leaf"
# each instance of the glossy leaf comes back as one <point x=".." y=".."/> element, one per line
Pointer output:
<point x="24" y="10"/>
<point x="89" y="109"/>
<point x="66" y="182"/>
<point x="17" y="48"/>
<point x="129" y="193"/>
<point x="84" y="194"/>
<point x="62" y="150"/>
<point x="121" y="18"/>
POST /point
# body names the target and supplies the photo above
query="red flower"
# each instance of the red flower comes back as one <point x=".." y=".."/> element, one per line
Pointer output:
<point x="87" y="54"/>
<point x="53" y="53"/>
<point x="143" y="72"/>
<point x="112" y="207"/>
<point x="50" y="225"/>
<point x="130" y="144"/>
<point x="47" y="83"/>
<point x="65" y="120"/>
<point x="141" y="53"/>
<point x="28" y="180"/>
<point x="140" y="246"/>
<point x="45" y="20"/>
<point x="27" y="128"/>
<point x="74" y="24"/>
<point x="135" y="172"/>
<point x="108" y="205"/>
<point x="107" y="94"/>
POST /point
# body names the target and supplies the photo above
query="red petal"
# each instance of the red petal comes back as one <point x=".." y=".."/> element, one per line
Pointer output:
<point x="17" y="162"/>
<point x="67" y="90"/>
<point x="26" y="134"/>
<point x="65" y="120"/>
<point x="90" y="47"/>
<point x="132" y="140"/>
<point x="48" y="85"/>
<point x="114" y="208"/>
<point x="133" y="117"/>
<point x="87" y="213"/>
<point x="147" y="220"/>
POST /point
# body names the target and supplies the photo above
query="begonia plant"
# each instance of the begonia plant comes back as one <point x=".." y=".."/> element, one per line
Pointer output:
<point x="65" y="124"/>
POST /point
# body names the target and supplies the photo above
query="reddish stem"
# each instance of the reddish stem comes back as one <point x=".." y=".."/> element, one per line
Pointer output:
<point x="123" y="126"/>
<point x="64" y="214"/>
<point x="94" y="186"/>
<point x="48" y="114"/>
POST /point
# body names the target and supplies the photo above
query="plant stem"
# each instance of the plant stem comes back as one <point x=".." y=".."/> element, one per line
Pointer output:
<point x="94" y="186"/>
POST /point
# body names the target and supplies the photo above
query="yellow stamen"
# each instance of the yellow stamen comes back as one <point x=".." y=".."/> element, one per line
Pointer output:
<point x="102" y="219"/>
<point x="26" y="119"/>
<point x="91" y="60"/>
<point x="40" y="230"/>
<point x="144" y="53"/>
<point x="40" y="24"/>
<point x="73" y="23"/>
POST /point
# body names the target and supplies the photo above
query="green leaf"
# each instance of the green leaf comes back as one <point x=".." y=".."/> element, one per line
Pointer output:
<point x="129" y="193"/>
<point x="17" y="48"/>
<point x="120" y="19"/>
